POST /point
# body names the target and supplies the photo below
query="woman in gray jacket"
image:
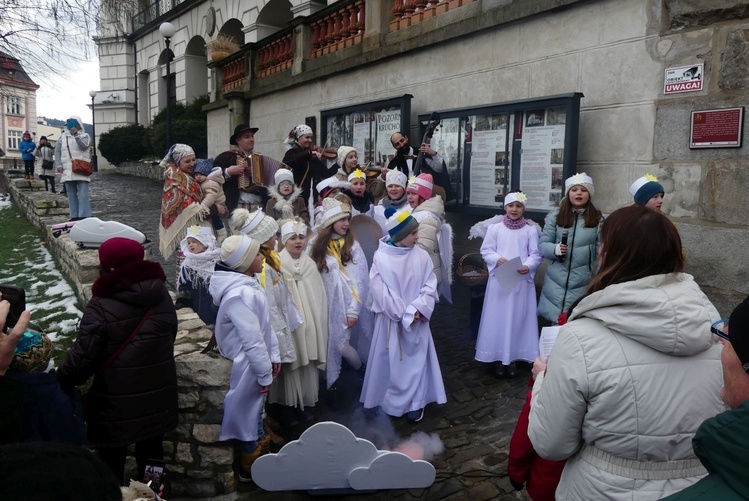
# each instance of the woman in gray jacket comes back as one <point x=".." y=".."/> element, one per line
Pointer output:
<point x="633" y="373"/>
<point x="570" y="242"/>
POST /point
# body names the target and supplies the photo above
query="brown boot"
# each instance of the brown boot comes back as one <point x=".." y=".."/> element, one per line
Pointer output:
<point x="247" y="460"/>
<point x="264" y="445"/>
<point x="276" y="440"/>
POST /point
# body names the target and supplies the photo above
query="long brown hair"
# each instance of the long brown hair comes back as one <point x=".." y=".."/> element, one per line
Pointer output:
<point x="565" y="217"/>
<point x="320" y="248"/>
<point x="637" y="242"/>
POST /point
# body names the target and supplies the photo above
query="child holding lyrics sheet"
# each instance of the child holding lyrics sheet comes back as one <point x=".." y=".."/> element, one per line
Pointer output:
<point x="509" y="328"/>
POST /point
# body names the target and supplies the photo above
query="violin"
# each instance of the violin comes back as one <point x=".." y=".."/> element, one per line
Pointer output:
<point x="434" y="122"/>
<point x="326" y="152"/>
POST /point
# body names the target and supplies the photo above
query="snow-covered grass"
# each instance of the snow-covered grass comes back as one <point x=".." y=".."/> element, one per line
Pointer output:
<point x="25" y="262"/>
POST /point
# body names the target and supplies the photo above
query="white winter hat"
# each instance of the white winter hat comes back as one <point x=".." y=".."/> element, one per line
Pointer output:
<point x="283" y="175"/>
<point x="292" y="227"/>
<point x="394" y="176"/>
<point x="343" y="152"/>
<point x="332" y="211"/>
<point x="581" y="179"/>
<point x="517" y="196"/>
<point x="253" y="224"/>
<point x="239" y="251"/>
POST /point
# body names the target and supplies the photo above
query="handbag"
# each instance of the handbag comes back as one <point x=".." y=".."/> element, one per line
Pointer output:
<point x="86" y="396"/>
<point x="82" y="167"/>
<point x="47" y="164"/>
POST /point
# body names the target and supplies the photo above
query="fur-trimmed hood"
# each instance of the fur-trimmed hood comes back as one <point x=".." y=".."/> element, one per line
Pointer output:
<point x="216" y="175"/>
<point x="140" y="283"/>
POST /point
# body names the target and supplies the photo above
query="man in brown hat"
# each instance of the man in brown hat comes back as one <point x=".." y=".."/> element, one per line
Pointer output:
<point x="247" y="173"/>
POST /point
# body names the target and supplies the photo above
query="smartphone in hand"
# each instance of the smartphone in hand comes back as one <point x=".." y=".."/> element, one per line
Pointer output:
<point x="154" y="474"/>
<point x="16" y="296"/>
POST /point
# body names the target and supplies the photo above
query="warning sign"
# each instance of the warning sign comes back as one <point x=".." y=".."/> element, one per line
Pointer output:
<point x="683" y="79"/>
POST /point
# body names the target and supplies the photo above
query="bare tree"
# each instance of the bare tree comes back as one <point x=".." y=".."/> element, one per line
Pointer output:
<point x="50" y="36"/>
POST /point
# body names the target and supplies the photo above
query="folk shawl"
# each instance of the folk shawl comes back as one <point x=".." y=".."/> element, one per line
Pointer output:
<point x="180" y="208"/>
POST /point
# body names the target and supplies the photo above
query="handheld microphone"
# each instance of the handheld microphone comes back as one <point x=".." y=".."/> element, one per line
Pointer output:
<point x="563" y="242"/>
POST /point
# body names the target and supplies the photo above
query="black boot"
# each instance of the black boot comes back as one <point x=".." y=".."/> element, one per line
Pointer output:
<point x="52" y="182"/>
<point x="46" y="183"/>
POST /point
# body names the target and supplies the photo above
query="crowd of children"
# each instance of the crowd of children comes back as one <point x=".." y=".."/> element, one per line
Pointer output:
<point x="290" y="319"/>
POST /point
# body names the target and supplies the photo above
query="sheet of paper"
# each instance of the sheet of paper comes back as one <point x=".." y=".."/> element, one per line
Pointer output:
<point x="546" y="341"/>
<point x="507" y="274"/>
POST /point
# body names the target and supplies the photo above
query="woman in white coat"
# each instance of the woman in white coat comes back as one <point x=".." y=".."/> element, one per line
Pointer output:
<point x="633" y="373"/>
<point x="73" y="145"/>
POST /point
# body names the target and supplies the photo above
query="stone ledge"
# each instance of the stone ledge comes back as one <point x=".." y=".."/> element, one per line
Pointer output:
<point x="199" y="464"/>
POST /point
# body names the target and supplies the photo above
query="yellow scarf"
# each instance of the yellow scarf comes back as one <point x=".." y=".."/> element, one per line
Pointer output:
<point x="276" y="260"/>
<point x="334" y="249"/>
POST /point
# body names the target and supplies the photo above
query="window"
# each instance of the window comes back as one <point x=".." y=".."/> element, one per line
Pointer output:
<point x="14" y="139"/>
<point x="13" y="105"/>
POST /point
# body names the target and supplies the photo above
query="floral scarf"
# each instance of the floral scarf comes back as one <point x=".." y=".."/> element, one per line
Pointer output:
<point x="180" y="208"/>
<point x="516" y="224"/>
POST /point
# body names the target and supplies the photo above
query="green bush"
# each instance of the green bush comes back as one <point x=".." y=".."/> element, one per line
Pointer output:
<point x="189" y="126"/>
<point x="134" y="142"/>
<point x="125" y="144"/>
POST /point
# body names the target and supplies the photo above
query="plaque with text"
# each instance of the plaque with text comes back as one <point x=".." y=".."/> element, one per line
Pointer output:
<point x="716" y="128"/>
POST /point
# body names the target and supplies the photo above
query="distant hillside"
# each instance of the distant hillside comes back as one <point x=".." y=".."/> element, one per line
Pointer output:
<point x="54" y="122"/>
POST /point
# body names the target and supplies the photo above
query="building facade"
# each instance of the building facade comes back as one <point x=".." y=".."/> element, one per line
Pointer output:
<point x="489" y="65"/>
<point x="17" y="109"/>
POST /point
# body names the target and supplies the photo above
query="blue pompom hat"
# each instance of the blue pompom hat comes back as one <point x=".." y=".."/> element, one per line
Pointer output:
<point x="204" y="166"/>
<point x="400" y="223"/>
<point x="645" y="188"/>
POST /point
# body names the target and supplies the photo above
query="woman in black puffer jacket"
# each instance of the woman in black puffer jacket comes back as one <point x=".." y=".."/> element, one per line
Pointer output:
<point x="126" y="342"/>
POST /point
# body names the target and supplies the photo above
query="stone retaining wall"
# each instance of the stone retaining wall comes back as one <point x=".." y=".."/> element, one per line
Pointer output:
<point x="200" y="465"/>
<point x="141" y="169"/>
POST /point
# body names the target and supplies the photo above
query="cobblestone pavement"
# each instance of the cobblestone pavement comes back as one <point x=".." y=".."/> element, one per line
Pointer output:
<point x="475" y="425"/>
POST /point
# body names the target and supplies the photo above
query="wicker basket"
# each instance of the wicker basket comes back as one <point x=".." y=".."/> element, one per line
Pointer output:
<point x="472" y="270"/>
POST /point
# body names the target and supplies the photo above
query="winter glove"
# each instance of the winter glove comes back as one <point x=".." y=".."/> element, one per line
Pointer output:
<point x="517" y="485"/>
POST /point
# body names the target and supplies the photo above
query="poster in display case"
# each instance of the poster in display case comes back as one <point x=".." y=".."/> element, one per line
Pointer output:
<point x="367" y="127"/>
<point x="528" y="145"/>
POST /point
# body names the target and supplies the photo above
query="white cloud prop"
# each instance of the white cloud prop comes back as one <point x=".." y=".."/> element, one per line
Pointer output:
<point x="393" y="470"/>
<point x="329" y="456"/>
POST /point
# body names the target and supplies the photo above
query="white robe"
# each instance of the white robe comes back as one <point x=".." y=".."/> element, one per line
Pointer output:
<point x="403" y="373"/>
<point x="244" y="336"/>
<point x="285" y="316"/>
<point x="509" y="327"/>
<point x="298" y="382"/>
<point x="342" y="303"/>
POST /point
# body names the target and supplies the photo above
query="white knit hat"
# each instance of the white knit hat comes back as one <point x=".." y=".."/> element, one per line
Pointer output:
<point x="343" y="152"/>
<point x="517" y="196"/>
<point x="203" y="234"/>
<point x="292" y="227"/>
<point x="581" y="179"/>
<point x="394" y="176"/>
<point x="283" y="175"/>
<point x="239" y="251"/>
<point x="332" y="211"/>
<point x="253" y="224"/>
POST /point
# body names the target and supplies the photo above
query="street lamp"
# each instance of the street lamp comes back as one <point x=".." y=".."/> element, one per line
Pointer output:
<point x="94" y="158"/>
<point x="167" y="31"/>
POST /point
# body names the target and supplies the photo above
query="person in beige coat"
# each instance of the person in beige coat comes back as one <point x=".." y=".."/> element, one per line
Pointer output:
<point x="633" y="373"/>
<point x="435" y="235"/>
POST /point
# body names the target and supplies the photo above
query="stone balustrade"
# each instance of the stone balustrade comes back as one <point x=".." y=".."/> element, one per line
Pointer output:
<point x="275" y="56"/>
<point x="200" y="465"/>
<point x="234" y="74"/>
<point x="339" y="29"/>
<point x="409" y="12"/>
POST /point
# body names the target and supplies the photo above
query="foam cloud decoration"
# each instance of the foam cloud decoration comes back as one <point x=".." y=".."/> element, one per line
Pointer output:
<point x="329" y="456"/>
<point x="321" y="459"/>
<point x="393" y="470"/>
